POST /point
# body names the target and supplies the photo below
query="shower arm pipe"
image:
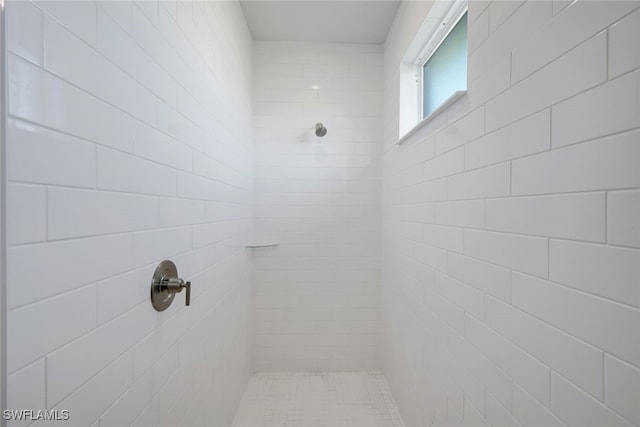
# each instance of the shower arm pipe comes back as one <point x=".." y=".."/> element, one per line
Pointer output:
<point x="321" y="130"/>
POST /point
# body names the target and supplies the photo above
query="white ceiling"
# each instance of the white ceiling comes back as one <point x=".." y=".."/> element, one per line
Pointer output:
<point x="346" y="21"/>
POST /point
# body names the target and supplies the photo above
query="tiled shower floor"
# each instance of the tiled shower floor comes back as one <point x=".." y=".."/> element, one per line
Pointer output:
<point x="315" y="399"/>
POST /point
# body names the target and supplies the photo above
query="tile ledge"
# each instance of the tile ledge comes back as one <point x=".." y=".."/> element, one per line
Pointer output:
<point x="254" y="245"/>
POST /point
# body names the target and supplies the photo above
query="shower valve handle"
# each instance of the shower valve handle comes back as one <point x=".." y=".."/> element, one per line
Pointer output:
<point x="165" y="284"/>
<point x="175" y="285"/>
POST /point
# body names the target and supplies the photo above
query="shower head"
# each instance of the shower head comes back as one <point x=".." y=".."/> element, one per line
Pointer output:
<point x="320" y="130"/>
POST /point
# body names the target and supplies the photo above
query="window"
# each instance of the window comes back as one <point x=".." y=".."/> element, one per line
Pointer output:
<point x="433" y="70"/>
<point x="445" y="72"/>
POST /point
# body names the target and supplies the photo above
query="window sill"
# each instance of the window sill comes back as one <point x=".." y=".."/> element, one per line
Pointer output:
<point x="453" y="98"/>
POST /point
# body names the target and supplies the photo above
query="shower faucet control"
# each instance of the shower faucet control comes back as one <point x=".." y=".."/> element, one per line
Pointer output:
<point x="166" y="284"/>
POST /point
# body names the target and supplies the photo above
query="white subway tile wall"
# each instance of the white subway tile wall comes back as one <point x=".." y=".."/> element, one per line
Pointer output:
<point x="488" y="265"/>
<point x="510" y="252"/>
<point x="316" y="296"/>
<point x="129" y="141"/>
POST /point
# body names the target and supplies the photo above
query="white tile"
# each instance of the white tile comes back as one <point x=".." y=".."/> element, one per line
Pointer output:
<point x="571" y="216"/>
<point x="78" y="63"/>
<point x="424" y="212"/>
<point x="560" y="5"/>
<point x="119" y="12"/>
<point x="122" y="172"/>
<point x="492" y="181"/>
<point x="278" y="69"/>
<point x="487" y="372"/>
<point x="120" y="48"/>
<point x="160" y="341"/>
<point x="581" y="68"/>
<point x="194" y="110"/>
<point x="476" y="8"/>
<point x="24" y="31"/>
<point x="444" y="237"/>
<point x="79" y="18"/>
<point x="150" y="39"/>
<point x="31" y="96"/>
<point x="74" y="364"/>
<point x="95" y="396"/>
<point x="498" y="415"/>
<point x="150" y="10"/>
<point x="338" y="398"/>
<point x="575" y="408"/>
<point x="623" y="218"/>
<point x="195" y="187"/>
<point x="601" y="111"/>
<point x="524" y="137"/>
<point x="80" y="262"/>
<point x="149" y="415"/>
<point x="446" y="164"/>
<point x="501" y="11"/>
<point x="134" y="284"/>
<point x="524" y="23"/>
<point x="461" y="131"/>
<point x="623" y="55"/>
<point x="129" y="405"/>
<point x="521" y="253"/>
<point x="26" y="214"/>
<point x="51" y="324"/>
<point x="175" y="212"/>
<point x="525" y="369"/>
<point x="622" y="388"/>
<point x="531" y="413"/>
<point x="574" y="359"/>
<point x="81" y="213"/>
<point x="485" y="277"/>
<point x="208" y="167"/>
<point x="27" y="388"/>
<point x="431" y="256"/>
<point x="491" y="82"/>
<point x="151" y="246"/>
<point x="607" y="163"/>
<point x="612" y="330"/>
<point x="164" y="368"/>
<point x="598" y="269"/>
<point x="478" y="31"/>
<point x="461" y="214"/>
<point x="563" y="32"/>
<point x="207" y="234"/>
<point x="464" y="296"/>
<point x="77" y="157"/>
<point x="178" y="30"/>
<point x="170" y="395"/>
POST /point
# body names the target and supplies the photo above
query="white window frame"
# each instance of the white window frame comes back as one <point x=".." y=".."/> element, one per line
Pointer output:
<point x="448" y="24"/>
<point x="440" y="21"/>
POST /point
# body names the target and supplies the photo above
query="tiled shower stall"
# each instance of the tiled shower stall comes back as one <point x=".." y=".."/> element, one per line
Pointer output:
<point x="488" y="266"/>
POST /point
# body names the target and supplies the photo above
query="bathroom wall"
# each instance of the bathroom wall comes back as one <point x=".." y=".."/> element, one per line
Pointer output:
<point x="129" y="141"/>
<point x="3" y="344"/>
<point x="316" y="295"/>
<point x="511" y="228"/>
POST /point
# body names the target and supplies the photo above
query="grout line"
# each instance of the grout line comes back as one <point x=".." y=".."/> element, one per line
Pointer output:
<point x="604" y="377"/>
<point x="606" y="219"/>
<point x="46" y="214"/>
<point x="607" y="56"/>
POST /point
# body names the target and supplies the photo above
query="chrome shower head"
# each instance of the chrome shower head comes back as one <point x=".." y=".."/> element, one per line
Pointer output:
<point x="320" y="130"/>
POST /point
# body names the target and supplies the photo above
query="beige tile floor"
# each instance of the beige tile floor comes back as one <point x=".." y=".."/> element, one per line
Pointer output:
<point x="315" y="399"/>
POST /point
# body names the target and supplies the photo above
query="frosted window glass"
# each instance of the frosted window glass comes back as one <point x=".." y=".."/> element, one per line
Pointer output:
<point x="446" y="70"/>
